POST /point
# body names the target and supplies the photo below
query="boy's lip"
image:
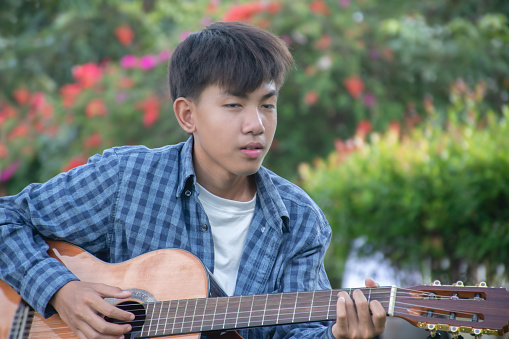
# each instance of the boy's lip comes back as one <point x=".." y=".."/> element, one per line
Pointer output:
<point x="252" y="150"/>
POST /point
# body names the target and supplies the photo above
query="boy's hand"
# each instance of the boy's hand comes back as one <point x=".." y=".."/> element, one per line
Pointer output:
<point x="80" y="304"/>
<point x="356" y="321"/>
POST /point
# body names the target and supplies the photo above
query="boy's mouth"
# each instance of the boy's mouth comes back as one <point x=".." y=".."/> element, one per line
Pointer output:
<point x="252" y="150"/>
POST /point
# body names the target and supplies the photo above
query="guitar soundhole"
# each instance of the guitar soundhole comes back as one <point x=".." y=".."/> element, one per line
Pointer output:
<point x="139" y="315"/>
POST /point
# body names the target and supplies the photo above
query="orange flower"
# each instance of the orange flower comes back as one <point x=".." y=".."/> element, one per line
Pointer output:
<point x="354" y="86"/>
<point x="4" y="151"/>
<point x="22" y="95"/>
<point x="150" y="109"/>
<point x="95" y="107"/>
<point x="124" y="34"/>
<point x="319" y="7"/>
<point x="363" y="128"/>
<point x="74" y="162"/>
<point x="311" y="98"/>
<point x="18" y="131"/>
<point x="324" y="42"/>
<point x="87" y="75"/>
<point x="93" y="141"/>
<point x="245" y="12"/>
<point x="125" y="82"/>
<point x="69" y="94"/>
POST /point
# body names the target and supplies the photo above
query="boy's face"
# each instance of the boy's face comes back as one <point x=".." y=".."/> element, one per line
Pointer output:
<point x="233" y="131"/>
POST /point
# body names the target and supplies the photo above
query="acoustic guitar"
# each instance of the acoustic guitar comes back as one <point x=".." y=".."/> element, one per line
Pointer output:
<point x="173" y="296"/>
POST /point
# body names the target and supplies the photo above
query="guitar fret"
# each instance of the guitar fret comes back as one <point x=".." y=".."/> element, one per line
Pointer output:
<point x="311" y="308"/>
<point x="279" y="308"/>
<point x="238" y="312"/>
<point x="265" y="309"/>
<point x="330" y="302"/>
<point x="295" y="306"/>
<point x="251" y="312"/>
<point x="194" y="315"/>
<point x="175" y="317"/>
<point x="184" y="317"/>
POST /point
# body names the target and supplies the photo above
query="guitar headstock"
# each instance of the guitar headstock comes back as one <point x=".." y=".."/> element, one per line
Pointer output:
<point x="455" y="308"/>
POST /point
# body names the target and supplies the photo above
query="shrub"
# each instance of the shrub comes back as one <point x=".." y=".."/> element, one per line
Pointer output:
<point x="433" y="194"/>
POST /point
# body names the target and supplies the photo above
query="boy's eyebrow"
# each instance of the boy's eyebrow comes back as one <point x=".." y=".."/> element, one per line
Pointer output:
<point x="244" y="95"/>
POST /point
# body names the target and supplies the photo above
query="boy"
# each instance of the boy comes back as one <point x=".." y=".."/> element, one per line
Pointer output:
<point x="255" y="231"/>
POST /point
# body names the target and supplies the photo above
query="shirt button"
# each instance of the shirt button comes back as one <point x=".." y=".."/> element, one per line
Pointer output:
<point x="187" y="193"/>
<point x="204" y="227"/>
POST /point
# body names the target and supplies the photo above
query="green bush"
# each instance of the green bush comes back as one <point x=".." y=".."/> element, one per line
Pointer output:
<point x="434" y="195"/>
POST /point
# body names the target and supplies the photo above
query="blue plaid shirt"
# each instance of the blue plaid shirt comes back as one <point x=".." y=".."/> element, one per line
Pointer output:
<point x="132" y="200"/>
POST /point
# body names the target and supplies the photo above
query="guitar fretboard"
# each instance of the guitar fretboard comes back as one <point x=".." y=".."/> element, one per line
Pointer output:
<point x="226" y="313"/>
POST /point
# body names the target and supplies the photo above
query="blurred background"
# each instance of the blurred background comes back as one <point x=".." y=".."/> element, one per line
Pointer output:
<point x="394" y="120"/>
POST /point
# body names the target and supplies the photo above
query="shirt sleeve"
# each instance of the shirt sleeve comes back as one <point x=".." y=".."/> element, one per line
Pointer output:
<point x="75" y="206"/>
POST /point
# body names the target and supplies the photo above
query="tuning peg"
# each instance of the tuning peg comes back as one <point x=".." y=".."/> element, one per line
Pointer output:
<point x="482" y="284"/>
<point x="432" y="328"/>
<point x="458" y="283"/>
<point x="437" y="283"/>
<point x="477" y="333"/>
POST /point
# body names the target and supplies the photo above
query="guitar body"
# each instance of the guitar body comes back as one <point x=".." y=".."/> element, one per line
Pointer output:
<point x="163" y="275"/>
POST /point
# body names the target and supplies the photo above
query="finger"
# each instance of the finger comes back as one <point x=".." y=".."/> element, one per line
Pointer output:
<point x="371" y="283"/>
<point x="379" y="315"/>
<point x="107" y="291"/>
<point x="363" y="309"/>
<point x="340" y="328"/>
<point x="103" y="307"/>
<point x="350" y="310"/>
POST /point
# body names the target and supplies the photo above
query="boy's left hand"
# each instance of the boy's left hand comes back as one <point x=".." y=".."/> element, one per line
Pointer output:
<point x="357" y="321"/>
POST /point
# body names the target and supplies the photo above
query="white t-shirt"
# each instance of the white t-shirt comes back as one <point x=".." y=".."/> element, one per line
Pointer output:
<point x="229" y="223"/>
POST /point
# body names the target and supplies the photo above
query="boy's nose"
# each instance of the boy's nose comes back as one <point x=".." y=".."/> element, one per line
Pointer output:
<point x="253" y="122"/>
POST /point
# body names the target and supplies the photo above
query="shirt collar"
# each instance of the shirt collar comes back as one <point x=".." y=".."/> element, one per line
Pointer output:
<point x="186" y="172"/>
<point x="270" y="199"/>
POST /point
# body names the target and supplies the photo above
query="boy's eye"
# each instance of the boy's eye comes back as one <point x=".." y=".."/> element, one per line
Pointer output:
<point x="269" y="106"/>
<point x="232" y="105"/>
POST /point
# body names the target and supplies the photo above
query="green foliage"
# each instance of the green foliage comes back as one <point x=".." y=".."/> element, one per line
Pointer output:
<point x="437" y="192"/>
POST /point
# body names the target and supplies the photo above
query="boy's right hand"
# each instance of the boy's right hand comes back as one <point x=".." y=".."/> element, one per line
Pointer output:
<point x="81" y="304"/>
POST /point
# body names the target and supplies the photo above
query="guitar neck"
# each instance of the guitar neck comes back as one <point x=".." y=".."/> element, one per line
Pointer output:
<point x="227" y="313"/>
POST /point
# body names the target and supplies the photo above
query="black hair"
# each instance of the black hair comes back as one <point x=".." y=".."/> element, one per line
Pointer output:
<point x="237" y="57"/>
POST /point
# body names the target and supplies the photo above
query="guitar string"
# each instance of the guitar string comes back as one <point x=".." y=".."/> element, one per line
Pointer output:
<point x="410" y="305"/>
<point x="438" y="311"/>
<point x="148" y="327"/>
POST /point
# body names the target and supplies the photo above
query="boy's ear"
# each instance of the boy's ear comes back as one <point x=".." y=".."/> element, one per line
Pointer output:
<point x="183" y="109"/>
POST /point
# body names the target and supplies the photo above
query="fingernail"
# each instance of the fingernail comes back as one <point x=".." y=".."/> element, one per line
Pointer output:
<point x="341" y="299"/>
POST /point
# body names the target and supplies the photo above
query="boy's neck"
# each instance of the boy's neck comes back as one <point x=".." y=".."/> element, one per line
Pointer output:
<point x="241" y="188"/>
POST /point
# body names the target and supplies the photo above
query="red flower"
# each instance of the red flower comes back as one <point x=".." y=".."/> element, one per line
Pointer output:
<point x="244" y="12"/>
<point x="125" y="82"/>
<point x="69" y="94"/>
<point x="150" y="109"/>
<point x="22" y="95"/>
<point x="319" y="7"/>
<point x="95" y="107"/>
<point x="363" y="128"/>
<point x="87" y="75"/>
<point x="324" y="42"/>
<point x="18" y="131"/>
<point x="311" y="98"/>
<point x="93" y="141"/>
<point x="354" y="86"/>
<point x="4" y="151"/>
<point x="74" y="162"/>
<point x="124" y="34"/>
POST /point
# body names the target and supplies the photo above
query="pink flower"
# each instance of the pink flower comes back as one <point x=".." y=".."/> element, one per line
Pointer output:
<point x="184" y="35"/>
<point x="147" y="62"/>
<point x="9" y="171"/>
<point x="129" y="61"/>
<point x="164" y="56"/>
<point x="344" y="3"/>
<point x="369" y="100"/>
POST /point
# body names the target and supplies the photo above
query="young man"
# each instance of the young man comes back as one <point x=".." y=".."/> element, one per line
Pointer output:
<point x="255" y="231"/>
